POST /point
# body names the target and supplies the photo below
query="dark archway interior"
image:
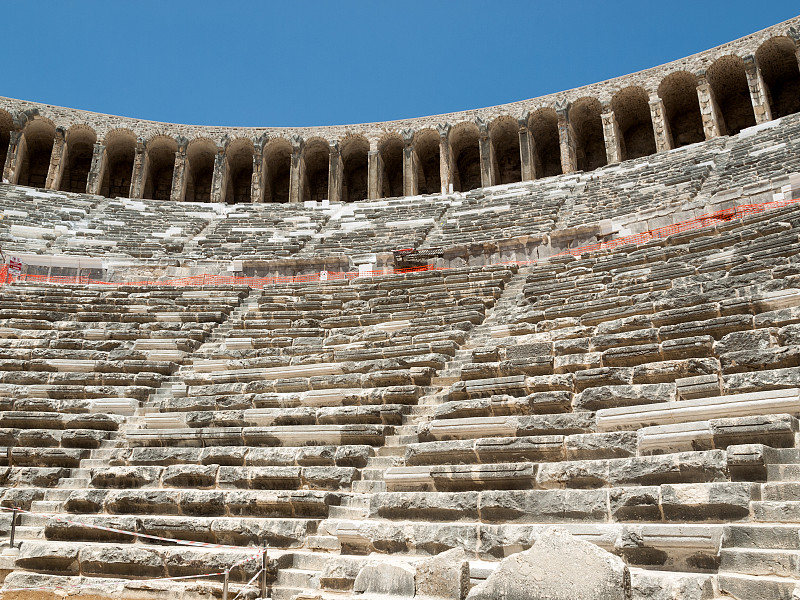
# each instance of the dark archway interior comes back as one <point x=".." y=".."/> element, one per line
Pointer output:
<point x="505" y="142"/>
<point x="732" y="94"/>
<point x="547" y="156"/>
<point x="78" y="158"/>
<point x="429" y="179"/>
<point x="678" y="92"/>
<point x="200" y="171"/>
<point x="632" y="111"/>
<point x="39" y="138"/>
<point x="466" y="159"/>
<point x="778" y="63"/>
<point x="277" y="166"/>
<point x="354" y="181"/>
<point x="317" y="163"/>
<point x="6" y="126"/>
<point x="391" y="153"/>
<point x="161" y="165"/>
<point x="587" y="125"/>
<point x="240" y="173"/>
<point x="120" y="153"/>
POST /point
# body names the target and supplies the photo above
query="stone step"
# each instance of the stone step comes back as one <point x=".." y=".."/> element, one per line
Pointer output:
<point x="757" y="561"/>
<point x="50" y="506"/>
<point x="298" y="578"/>
<point x="369" y="487"/>
<point x="757" y="587"/>
<point x="347" y="512"/>
<point x="764" y="536"/>
<point x="74" y="483"/>
<point x="372" y="474"/>
<point x="779" y="512"/>
<point x="783" y="472"/>
<point x="55" y="494"/>
<point x="785" y="491"/>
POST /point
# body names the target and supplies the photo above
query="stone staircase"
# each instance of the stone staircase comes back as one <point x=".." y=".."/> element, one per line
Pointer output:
<point x="761" y="560"/>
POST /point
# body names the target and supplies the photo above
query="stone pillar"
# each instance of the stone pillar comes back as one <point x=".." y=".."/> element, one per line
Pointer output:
<point x="486" y="153"/>
<point x="660" y="124"/>
<point x="566" y="139"/>
<point x="16" y="145"/>
<point x="410" y="166"/>
<point x="178" y="192"/>
<point x="759" y="95"/>
<point x="97" y="170"/>
<point x="218" y="188"/>
<point x="527" y="150"/>
<point x="296" y="170"/>
<point x="612" y="135"/>
<point x="374" y="173"/>
<point x="57" y="161"/>
<point x="445" y="158"/>
<point x="140" y="167"/>
<point x="335" y="172"/>
<point x="257" y="180"/>
<point x="709" y="111"/>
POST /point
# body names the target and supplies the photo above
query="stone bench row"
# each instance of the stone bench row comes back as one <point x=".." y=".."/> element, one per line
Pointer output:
<point x="299" y="435"/>
<point x="239" y="399"/>
<point x="386" y="414"/>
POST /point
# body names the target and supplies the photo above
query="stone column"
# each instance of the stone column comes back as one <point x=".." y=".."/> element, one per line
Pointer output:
<point x="486" y="153"/>
<point x="709" y="111"/>
<point x="759" y="94"/>
<point x="140" y="165"/>
<point x="296" y="170"/>
<point x="335" y="172"/>
<point x="218" y="187"/>
<point x="612" y="135"/>
<point x="57" y="161"/>
<point x="178" y="192"/>
<point x="527" y="149"/>
<point x="258" y="178"/>
<point x="374" y="172"/>
<point x="445" y="158"/>
<point x="96" y="172"/>
<point x="15" y="147"/>
<point x="410" y="167"/>
<point x="660" y="124"/>
<point x="566" y="139"/>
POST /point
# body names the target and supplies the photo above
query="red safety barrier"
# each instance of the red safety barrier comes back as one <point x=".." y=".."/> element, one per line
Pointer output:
<point x="707" y="220"/>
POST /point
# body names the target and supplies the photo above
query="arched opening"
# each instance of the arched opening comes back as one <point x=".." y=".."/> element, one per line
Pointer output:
<point x="426" y="147"/>
<point x="6" y="127"/>
<point x="678" y="92"/>
<point x="587" y="125"/>
<point x="778" y="63"/>
<point x="277" y="167"/>
<point x="316" y="159"/>
<point x="39" y="135"/>
<point x="77" y="159"/>
<point x="732" y="94"/>
<point x="464" y="141"/>
<point x="120" y="152"/>
<point x="160" y="167"/>
<point x="355" y="151"/>
<point x="504" y="134"/>
<point x="390" y="151"/>
<point x="631" y="108"/>
<point x="543" y="126"/>
<point x="200" y="156"/>
<point x="240" y="171"/>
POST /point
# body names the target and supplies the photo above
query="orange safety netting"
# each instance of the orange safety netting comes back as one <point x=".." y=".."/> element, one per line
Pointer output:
<point x="707" y="220"/>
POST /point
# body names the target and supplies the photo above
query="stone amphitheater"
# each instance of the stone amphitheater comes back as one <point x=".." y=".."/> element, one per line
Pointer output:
<point x="215" y="384"/>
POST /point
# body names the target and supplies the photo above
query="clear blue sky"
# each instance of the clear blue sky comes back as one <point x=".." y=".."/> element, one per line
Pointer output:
<point x="312" y="62"/>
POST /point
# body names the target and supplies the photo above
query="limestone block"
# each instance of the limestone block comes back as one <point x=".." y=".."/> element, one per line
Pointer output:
<point x="44" y="556"/>
<point x="445" y="576"/>
<point x="610" y="396"/>
<point x="557" y="567"/>
<point x="386" y="580"/>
